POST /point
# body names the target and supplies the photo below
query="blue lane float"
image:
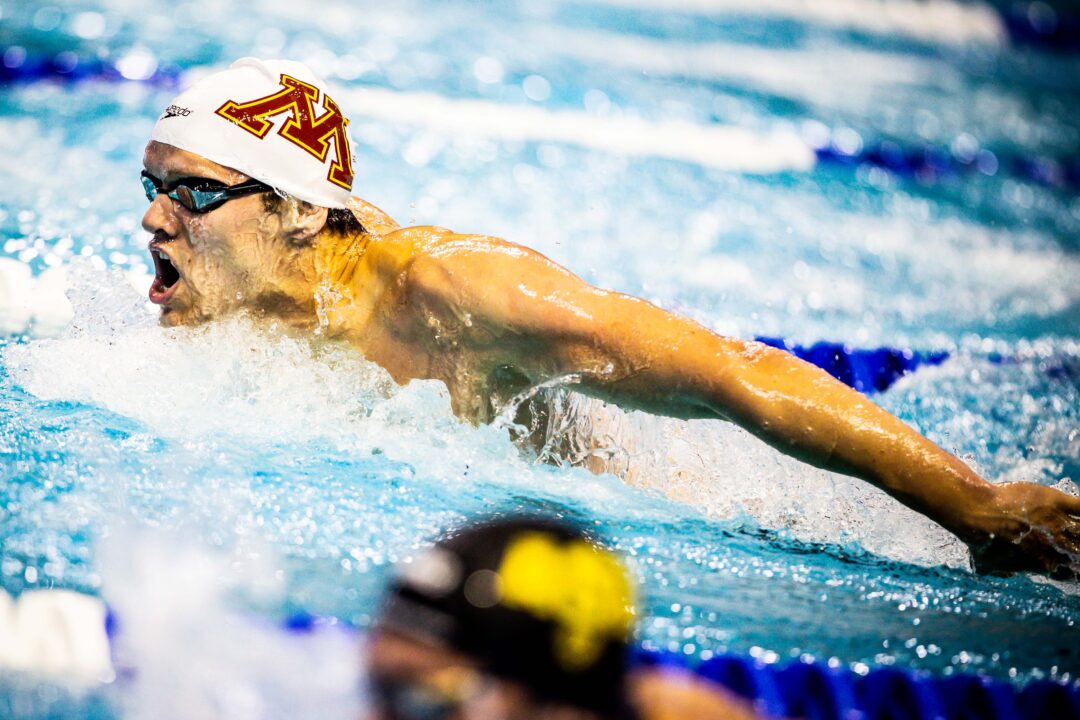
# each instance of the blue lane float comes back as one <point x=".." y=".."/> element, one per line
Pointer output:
<point x="867" y="370"/>
<point x="816" y="691"/>
<point x="888" y="693"/>
<point x="1042" y="25"/>
<point x="746" y="678"/>
<point x="928" y="163"/>
<point x="1045" y="699"/>
<point x="971" y="696"/>
<point x="17" y="66"/>
<point x="924" y="162"/>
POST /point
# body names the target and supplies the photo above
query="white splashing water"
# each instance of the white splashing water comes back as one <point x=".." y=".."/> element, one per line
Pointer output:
<point x="842" y="77"/>
<point x="726" y="472"/>
<point x="236" y="381"/>
<point x="194" y="658"/>
<point x="728" y="148"/>
<point x="257" y="385"/>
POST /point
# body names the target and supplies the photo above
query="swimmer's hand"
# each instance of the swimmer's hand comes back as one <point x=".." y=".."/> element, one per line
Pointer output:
<point x="1032" y="528"/>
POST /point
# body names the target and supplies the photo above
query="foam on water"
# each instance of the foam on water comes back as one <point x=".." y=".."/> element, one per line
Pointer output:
<point x="1015" y="418"/>
<point x="726" y="148"/>
<point x="834" y="77"/>
<point x="892" y="270"/>
<point x="193" y="656"/>
<point x="937" y="20"/>
<point x="308" y="472"/>
<point x="240" y="382"/>
<point x="237" y="381"/>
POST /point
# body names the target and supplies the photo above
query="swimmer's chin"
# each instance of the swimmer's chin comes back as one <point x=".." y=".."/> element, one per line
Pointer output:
<point x="171" y="318"/>
<point x="174" y="317"/>
<point x="191" y="317"/>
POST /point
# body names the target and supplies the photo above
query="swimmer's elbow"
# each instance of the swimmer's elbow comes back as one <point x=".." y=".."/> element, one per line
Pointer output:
<point x="737" y="381"/>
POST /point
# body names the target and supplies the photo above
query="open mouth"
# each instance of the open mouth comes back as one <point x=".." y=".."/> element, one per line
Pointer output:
<point x="166" y="277"/>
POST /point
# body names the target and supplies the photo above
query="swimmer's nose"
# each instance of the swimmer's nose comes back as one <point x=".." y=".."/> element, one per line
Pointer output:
<point x="160" y="219"/>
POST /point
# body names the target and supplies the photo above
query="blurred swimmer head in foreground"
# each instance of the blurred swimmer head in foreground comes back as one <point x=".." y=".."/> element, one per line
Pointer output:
<point x="524" y="619"/>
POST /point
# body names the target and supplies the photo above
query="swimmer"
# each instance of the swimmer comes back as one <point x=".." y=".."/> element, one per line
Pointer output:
<point x="249" y="177"/>
<point x="525" y="619"/>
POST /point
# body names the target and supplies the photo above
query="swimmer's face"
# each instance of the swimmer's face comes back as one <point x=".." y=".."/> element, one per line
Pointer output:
<point x="407" y="669"/>
<point x="208" y="264"/>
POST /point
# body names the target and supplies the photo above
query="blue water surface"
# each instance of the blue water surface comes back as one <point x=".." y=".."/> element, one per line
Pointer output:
<point x="303" y="464"/>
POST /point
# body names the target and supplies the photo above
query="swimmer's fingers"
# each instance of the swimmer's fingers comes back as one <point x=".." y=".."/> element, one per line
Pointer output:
<point x="1064" y="538"/>
<point x="1064" y="551"/>
<point x="1039" y="531"/>
<point x="1044" y="555"/>
<point x="1070" y="530"/>
<point x="1071" y="535"/>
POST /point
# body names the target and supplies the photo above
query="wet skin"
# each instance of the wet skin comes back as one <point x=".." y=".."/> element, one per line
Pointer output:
<point x="489" y="318"/>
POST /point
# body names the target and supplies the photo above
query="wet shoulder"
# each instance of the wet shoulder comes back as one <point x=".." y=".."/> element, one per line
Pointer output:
<point x="399" y="250"/>
<point x="427" y="253"/>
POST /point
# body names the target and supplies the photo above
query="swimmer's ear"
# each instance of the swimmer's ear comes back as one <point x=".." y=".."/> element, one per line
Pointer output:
<point x="301" y="221"/>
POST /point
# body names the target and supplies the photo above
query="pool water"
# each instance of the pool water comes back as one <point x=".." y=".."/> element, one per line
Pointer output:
<point x="192" y="477"/>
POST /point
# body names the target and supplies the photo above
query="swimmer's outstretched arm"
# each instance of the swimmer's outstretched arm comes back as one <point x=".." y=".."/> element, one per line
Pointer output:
<point x="525" y="311"/>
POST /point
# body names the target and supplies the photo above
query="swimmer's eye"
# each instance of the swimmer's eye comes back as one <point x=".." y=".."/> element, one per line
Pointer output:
<point x="200" y="195"/>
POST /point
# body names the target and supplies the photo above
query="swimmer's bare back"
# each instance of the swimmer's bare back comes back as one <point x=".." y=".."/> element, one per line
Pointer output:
<point x="490" y="318"/>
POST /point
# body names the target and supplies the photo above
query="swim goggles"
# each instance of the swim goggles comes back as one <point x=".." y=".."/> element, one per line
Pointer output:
<point x="200" y="195"/>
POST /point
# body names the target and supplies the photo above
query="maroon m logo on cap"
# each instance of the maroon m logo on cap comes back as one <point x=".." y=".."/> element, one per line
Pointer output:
<point x="312" y="134"/>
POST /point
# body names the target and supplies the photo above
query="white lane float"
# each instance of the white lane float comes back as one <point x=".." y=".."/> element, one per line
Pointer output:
<point x="58" y="633"/>
<point x="38" y="305"/>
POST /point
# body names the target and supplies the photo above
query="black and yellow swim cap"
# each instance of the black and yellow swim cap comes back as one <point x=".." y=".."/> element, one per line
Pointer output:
<point x="530" y="600"/>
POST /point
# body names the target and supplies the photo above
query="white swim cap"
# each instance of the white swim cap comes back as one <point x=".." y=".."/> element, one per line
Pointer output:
<point x="271" y="120"/>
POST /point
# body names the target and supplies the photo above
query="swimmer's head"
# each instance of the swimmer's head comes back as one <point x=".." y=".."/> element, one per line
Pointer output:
<point x="270" y="120"/>
<point x="244" y="170"/>
<point x="531" y="604"/>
